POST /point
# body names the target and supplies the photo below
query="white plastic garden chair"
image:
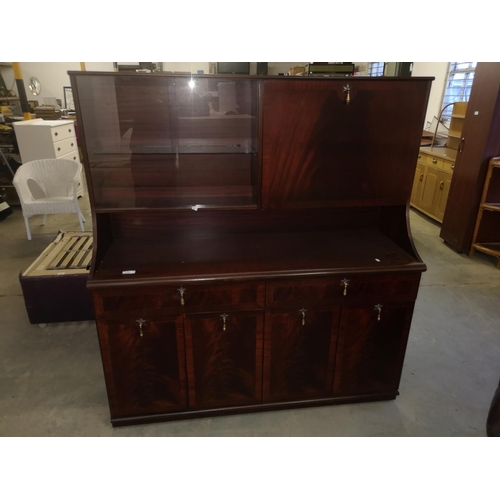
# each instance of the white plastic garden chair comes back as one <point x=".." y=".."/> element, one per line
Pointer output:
<point x="48" y="187"/>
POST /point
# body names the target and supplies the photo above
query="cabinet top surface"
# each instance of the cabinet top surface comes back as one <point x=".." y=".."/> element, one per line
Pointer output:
<point x="256" y="77"/>
<point x="206" y="257"/>
<point x="43" y="123"/>
<point x="445" y="153"/>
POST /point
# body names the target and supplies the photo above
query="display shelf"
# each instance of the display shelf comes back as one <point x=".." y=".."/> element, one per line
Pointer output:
<point x="486" y="236"/>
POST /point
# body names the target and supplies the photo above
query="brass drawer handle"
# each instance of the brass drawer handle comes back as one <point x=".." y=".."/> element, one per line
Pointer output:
<point x="344" y="282"/>
<point x="420" y="156"/>
<point x="182" y="291"/>
<point x="303" y="313"/>
<point x="224" y="316"/>
<point x="441" y="185"/>
<point x="141" y="322"/>
<point x="58" y="149"/>
<point x="378" y="308"/>
<point x="72" y="144"/>
<point x="421" y="177"/>
<point x="69" y="130"/>
<point x="453" y="166"/>
<point x="56" y="134"/>
<point x="74" y="157"/>
<point x="434" y="161"/>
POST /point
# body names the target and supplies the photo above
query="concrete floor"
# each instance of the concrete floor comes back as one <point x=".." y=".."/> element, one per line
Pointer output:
<point x="51" y="380"/>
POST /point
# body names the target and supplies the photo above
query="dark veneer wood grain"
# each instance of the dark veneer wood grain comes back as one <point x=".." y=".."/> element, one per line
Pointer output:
<point x="250" y="231"/>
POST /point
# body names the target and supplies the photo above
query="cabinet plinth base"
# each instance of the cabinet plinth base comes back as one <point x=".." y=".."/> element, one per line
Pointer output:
<point x="234" y="410"/>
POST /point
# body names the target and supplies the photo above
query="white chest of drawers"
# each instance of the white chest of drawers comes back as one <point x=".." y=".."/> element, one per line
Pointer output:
<point x="40" y="139"/>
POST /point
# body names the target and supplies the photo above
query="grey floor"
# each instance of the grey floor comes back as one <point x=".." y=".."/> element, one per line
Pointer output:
<point x="51" y="380"/>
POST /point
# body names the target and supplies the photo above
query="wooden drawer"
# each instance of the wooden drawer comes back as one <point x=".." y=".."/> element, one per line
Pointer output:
<point x="324" y="291"/>
<point x="448" y="166"/>
<point x="63" y="132"/>
<point x="434" y="161"/>
<point x="195" y="298"/>
<point x="65" y="147"/>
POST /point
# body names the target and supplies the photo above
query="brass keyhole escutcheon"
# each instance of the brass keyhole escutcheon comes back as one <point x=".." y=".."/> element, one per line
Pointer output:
<point x="347" y="92"/>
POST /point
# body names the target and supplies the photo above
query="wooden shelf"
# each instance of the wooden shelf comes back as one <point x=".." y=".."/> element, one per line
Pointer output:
<point x="494" y="207"/>
<point x="258" y="255"/>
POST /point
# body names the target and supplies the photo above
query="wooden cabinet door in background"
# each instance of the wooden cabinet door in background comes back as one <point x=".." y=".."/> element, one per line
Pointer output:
<point x="299" y="353"/>
<point x="444" y="190"/>
<point x="224" y="358"/>
<point x="144" y="365"/>
<point x="429" y="190"/>
<point x="371" y="350"/>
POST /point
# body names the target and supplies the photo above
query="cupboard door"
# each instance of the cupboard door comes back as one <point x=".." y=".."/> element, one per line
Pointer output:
<point x="316" y="159"/>
<point x="299" y="353"/>
<point x="429" y="190"/>
<point x="224" y="358"/>
<point x="372" y="342"/>
<point x="144" y="365"/>
<point x="444" y="190"/>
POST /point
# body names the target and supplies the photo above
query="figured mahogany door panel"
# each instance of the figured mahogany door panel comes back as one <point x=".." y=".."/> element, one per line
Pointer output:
<point x="371" y="350"/>
<point x="144" y="365"/>
<point x="299" y="353"/>
<point x="224" y="358"/>
<point x="312" y="132"/>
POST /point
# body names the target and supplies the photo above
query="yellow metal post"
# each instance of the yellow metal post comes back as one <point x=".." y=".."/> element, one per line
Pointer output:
<point x="18" y="75"/>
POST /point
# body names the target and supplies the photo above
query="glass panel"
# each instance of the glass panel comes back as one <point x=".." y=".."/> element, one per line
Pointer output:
<point x="170" y="142"/>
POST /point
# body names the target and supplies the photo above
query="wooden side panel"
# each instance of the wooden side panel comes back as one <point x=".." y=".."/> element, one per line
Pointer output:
<point x="144" y="374"/>
<point x="371" y="351"/>
<point x="299" y="353"/>
<point x="224" y="366"/>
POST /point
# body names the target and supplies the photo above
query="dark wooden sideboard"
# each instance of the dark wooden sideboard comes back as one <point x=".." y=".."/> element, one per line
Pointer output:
<point x="252" y="246"/>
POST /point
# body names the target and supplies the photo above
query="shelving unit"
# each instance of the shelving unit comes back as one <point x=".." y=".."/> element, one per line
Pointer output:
<point x="486" y="237"/>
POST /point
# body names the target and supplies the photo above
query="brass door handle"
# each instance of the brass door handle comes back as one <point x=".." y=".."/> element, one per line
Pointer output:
<point x="224" y="316"/>
<point x="441" y="185"/>
<point x="303" y="313"/>
<point x="461" y="145"/>
<point x="141" y="323"/>
<point x="345" y="282"/>
<point x="378" y="308"/>
<point x="182" y="291"/>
